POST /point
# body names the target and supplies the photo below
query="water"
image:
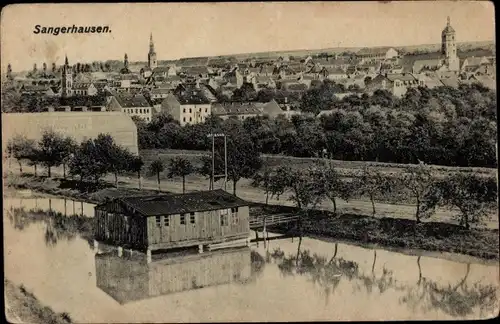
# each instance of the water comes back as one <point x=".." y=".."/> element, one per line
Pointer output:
<point x="247" y="284"/>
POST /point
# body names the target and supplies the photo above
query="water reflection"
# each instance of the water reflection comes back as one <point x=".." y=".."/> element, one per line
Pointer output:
<point x="66" y="207"/>
<point x="457" y="300"/>
<point x="340" y="281"/>
<point x="130" y="278"/>
<point x="58" y="226"/>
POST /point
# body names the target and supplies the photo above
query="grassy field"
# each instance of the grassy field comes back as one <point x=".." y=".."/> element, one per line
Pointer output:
<point x="396" y="205"/>
<point x="398" y="195"/>
<point x="21" y="306"/>
<point x="274" y="161"/>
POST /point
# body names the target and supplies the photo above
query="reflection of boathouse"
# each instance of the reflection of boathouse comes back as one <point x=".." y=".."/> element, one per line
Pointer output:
<point x="130" y="278"/>
<point x="172" y="221"/>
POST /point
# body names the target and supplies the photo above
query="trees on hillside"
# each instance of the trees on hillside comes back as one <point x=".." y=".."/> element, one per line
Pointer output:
<point x="53" y="149"/>
<point x="445" y="126"/>
<point x="420" y="181"/>
<point x="471" y="194"/>
<point x="264" y="180"/>
<point x="156" y="168"/>
<point x="243" y="159"/>
<point x="330" y="183"/>
<point x="180" y="167"/>
<point x="20" y="148"/>
<point x="86" y="163"/>
<point x="94" y="158"/>
<point x="70" y="146"/>
<point x="114" y="156"/>
<point x="135" y="165"/>
<point x="372" y="183"/>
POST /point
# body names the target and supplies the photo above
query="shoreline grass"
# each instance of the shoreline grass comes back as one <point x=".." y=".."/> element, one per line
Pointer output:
<point x="23" y="306"/>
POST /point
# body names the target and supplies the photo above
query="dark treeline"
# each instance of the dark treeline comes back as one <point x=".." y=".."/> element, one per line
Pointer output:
<point x="445" y="126"/>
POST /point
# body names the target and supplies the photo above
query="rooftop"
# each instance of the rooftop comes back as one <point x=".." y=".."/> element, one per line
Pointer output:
<point x="130" y="101"/>
<point x="155" y="205"/>
<point x="400" y="77"/>
<point x="373" y="51"/>
<point x="190" y="96"/>
<point x="235" y="108"/>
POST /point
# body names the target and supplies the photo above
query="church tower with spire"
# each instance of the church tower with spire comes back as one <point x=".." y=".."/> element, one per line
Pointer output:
<point x="125" y="61"/>
<point x="449" y="47"/>
<point x="67" y="79"/>
<point x="152" y="63"/>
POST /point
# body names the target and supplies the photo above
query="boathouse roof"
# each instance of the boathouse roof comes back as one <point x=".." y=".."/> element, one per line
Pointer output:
<point x="156" y="205"/>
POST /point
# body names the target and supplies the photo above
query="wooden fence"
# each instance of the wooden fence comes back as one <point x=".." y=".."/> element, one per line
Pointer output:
<point x="268" y="220"/>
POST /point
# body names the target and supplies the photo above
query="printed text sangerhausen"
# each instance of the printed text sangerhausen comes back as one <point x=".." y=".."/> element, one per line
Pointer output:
<point x="71" y="30"/>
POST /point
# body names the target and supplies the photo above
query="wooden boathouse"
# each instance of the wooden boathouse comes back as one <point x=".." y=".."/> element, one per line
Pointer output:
<point x="129" y="278"/>
<point x="158" y="222"/>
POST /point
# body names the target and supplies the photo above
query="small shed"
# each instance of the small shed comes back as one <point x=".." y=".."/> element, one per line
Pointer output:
<point x="168" y="221"/>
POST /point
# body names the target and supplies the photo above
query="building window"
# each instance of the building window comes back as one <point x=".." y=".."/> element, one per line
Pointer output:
<point x="166" y="220"/>
<point x="192" y="218"/>
<point x="190" y="119"/>
<point x="234" y="210"/>
<point x="183" y="110"/>
<point x="206" y="109"/>
<point x="223" y="219"/>
<point x="183" y="219"/>
<point x="190" y="111"/>
<point x="184" y="119"/>
<point x="158" y="221"/>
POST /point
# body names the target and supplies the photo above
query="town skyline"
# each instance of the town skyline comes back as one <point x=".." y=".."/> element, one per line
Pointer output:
<point x="207" y="40"/>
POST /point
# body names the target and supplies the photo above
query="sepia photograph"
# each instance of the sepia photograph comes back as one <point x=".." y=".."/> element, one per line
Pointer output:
<point x="249" y="162"/>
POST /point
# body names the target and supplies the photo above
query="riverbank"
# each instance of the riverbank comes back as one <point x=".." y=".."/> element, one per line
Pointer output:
<point x="392" y="232"/>
<point x="21" y="306"/>
<point x="360" y="229"/>
<point x="69" y="189"/>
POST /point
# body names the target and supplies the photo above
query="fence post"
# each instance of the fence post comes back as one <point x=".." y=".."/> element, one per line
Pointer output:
<point x="264" y="231"/>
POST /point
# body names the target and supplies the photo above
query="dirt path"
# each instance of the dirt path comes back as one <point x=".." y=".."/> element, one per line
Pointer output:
<point x="245" y="191"/>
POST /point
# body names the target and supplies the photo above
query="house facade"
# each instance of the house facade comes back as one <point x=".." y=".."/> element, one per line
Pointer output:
<point x="382" y="53"/>
<point x="187" y="106"/>
<point x="172" y="221"/>
<point x="397" y="83"/>
<point x="84" y="89"/>
<point x="132" y="105"/>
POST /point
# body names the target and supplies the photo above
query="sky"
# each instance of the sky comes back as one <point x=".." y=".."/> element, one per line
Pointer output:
<point x="206" y="29"/>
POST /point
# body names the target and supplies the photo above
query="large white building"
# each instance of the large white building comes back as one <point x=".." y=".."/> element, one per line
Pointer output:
<point x="78" y="125"/>
<point x="189" y="107"/>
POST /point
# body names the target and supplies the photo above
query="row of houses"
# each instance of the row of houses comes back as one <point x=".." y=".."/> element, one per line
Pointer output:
<point x="186" y="105"/>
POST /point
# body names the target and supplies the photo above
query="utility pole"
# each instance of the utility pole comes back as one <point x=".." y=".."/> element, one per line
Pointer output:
<point x="213" y="175"/>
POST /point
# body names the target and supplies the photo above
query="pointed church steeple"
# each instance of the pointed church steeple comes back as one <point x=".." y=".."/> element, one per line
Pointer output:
<point x="152" y="63"/>
<point x="66" y="60"/>
<point x="151" y="44"/>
